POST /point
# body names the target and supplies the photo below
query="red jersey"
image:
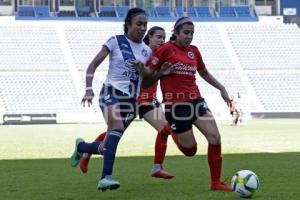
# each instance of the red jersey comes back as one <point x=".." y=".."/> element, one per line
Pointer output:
<point x="147" y="95"/>
<point x="180" y="86"/>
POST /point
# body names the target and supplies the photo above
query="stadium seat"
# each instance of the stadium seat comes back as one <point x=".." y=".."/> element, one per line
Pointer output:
<point x="42" y="11"/>
<point x="179" y="11"/>
<point x="242" y="11"/>
<point x="261" y="46"/>
<point x="66" y="13"/>
<point x="163" y="11"/>
<point x="227" y="11"/>
<point x="40" y="50"/>
<point x="191" y="11"/>
<point x="152" y="12"/>
<point x="122" y="10"/>
<point x="83" y="11"/>
<point x="107" y="11"/>
<point x="203" y="11"/>
<point x="26" y="11"/>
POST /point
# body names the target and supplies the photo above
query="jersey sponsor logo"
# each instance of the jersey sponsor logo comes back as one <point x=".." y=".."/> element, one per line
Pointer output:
<point x="131" y="75"/>
<point x="191" y="55"/>
<point x="129" y="63"/>
<point x="181" y="68"/>
<point x="144" y="53"/>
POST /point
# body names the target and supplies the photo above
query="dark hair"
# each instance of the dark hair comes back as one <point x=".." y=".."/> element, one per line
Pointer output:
<point x="177" y="28"/>
<point x="151" y="32"/>
<point x="130" y="14"/>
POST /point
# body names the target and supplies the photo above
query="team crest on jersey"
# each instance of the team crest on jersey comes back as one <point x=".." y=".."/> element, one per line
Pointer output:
<point x="154" y="60"/>
<point x="191" y="55"/>
<point x="144" y="53"/>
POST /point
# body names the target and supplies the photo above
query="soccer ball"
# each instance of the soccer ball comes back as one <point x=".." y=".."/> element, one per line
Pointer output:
<point x="245" y="183"/>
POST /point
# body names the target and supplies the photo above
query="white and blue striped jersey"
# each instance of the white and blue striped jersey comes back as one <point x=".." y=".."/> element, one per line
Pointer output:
<point x="120" y="74"/>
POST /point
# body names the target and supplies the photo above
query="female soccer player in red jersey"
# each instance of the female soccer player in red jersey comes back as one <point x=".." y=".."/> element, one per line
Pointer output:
<point x="184" y="104"/>
<point x="149" y="109"/>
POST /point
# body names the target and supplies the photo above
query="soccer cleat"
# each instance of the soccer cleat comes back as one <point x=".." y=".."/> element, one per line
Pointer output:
<point x="84" y="162"/>
<point x="76" y="155"/>
<point x="162" y="174"/>
<point x="220" y="186"/>
<point x="108" y="183"/>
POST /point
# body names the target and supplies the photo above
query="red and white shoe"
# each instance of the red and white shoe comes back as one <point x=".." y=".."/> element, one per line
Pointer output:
<point x="162" y="174"/>
<point x="84" y="162"/>
<point x="220" y="186"/>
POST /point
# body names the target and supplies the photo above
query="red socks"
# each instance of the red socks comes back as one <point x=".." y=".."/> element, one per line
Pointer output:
<point x="161" y="145"/>
<point x="214" y="161"/>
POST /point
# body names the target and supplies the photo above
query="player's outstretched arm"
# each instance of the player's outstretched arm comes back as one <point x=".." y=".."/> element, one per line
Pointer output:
<point x="89" y="94"/>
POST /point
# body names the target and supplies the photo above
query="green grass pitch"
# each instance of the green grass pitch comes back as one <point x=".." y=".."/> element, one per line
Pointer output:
<point x="35" y="165"/>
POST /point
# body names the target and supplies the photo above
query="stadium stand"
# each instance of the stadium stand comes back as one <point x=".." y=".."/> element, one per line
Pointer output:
<point x="83" y="11"/>
<point x="227" y="11"/>
<point x="242" y="11"/>
<point x="277" y="90"/>
<point x="191" y="11"/>
<point x="122" y="11"/>
<point x="151" y="12"/>
<point x="229" y="78"/>
<point x="41" y="77"/>
<point x="266" y="46"/>
<point x="179" y="11"/>
<point x="33" y="53"/>
<point x="203" y="11"/>
<point x="42" y="11"/>
<point x="107" y="11"/>
<point x="215" y="54"/>
<point x="26" y="11"/>
<point x="163" y="11"/>
<point x="38" y="93"/>
<point x="66" y="13"/>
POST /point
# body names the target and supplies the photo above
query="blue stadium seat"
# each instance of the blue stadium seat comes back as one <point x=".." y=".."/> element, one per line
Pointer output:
<point x="152" y="12"/>
<point x="107" y="11"/>
<point x="191" y="11"/>
<point x="179" y="11"/>
<point x="227" y="11"/>
<point x="163" y="11"/>
<point x="42" y="11"/>
<point x="122" y="10"/>
<point x="66" y="13"/>
<point x="242" y="11"/>
<point x="203" y="11"/>
<point x="26" y="11"/>
<point x="83" y="11"/>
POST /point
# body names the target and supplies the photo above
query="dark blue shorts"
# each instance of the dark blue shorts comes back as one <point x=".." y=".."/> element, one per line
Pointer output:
<point x="181" y="116"/>
<point x="144" y="108"/>
<point x="128" y="106"/>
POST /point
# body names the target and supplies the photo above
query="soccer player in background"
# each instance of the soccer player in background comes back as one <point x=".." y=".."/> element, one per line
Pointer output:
<point x="184" y="104"/>
<point x="151" y="110"/>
